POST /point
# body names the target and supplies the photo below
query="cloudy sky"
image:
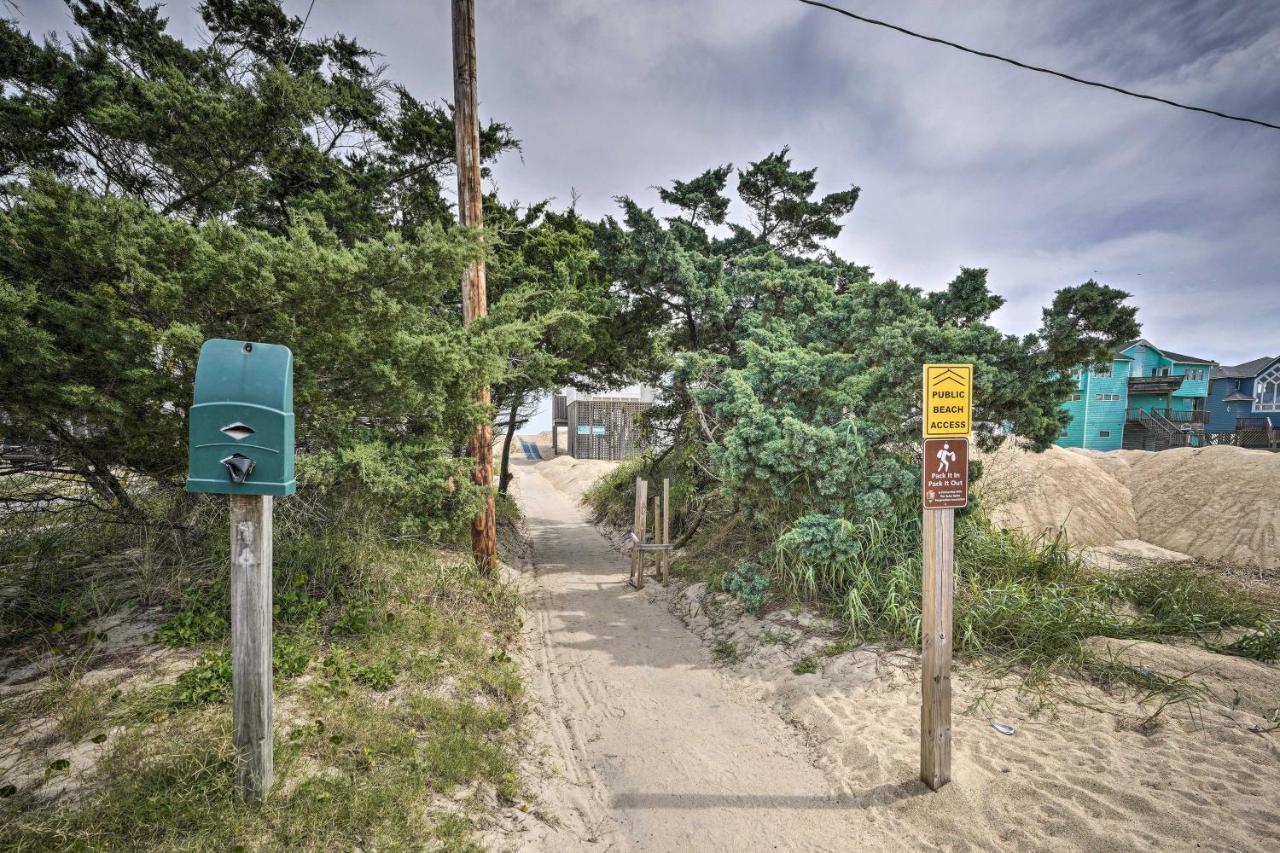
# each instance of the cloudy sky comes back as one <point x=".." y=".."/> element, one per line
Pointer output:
<point x="962" y="161"/>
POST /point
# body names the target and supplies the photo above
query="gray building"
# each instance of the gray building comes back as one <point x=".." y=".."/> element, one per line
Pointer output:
<point x="599" y="426"/>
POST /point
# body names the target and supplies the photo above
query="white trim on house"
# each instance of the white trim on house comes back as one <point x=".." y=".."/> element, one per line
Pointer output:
<point x="1266" y="390"/>
<point x="643" y="393"/>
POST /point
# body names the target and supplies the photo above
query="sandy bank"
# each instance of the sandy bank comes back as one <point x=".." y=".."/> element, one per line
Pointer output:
<point x="1220" y="504"/>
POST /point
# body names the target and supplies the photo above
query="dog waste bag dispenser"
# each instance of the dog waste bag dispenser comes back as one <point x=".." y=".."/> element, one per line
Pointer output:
<point x="242" y="420"/>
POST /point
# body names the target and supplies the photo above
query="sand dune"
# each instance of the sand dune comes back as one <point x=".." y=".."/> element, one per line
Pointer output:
<point x="571" y="476"/>
<point x="1216" y="503"/>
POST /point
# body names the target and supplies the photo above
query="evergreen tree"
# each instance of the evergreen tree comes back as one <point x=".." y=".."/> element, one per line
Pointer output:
<point x="271" y="187"/>
<point x="794" y="383"/>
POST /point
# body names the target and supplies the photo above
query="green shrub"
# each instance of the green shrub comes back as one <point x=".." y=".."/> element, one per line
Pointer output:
<point x="188" y="627"/>
<point x="290" y="655"/>
<point x="805" y="666"/>
<point x="612" y="498"/>
<point x="297" y="607"/>
<point x="379" y="675"/>
<point x="357" y="619"/>
<point x="872" y="570"/>
<point x="748" y="585"/>
<point x="1022" y="602"/>
<point x="208" y="681"/>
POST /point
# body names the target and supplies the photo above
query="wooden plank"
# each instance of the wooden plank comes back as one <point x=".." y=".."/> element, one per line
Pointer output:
<point x="935" y="708"/>
<point x="251" y="643"/>
<point x="642" y="523"/>
<point x="666" y="526"/>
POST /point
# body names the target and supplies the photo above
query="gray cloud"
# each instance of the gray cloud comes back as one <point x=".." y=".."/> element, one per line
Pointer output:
<point x="962" y="161"/>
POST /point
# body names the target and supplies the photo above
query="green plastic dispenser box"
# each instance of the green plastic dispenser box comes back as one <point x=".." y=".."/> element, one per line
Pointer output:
<point x="241" y="440"/>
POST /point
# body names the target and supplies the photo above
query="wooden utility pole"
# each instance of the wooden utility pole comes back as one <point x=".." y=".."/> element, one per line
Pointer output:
<point x="484" y="527"/>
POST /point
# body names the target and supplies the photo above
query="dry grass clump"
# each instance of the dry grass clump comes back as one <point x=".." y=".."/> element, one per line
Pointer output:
<point x="394" y="697"/>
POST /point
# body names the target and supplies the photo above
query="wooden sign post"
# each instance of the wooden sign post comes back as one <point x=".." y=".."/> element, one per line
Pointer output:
<point x="251" y="643"/>
<point x="947" y="415"/>
<point x="241" y="444"/>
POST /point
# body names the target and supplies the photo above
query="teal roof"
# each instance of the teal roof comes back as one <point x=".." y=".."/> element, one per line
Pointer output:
<point x="1169" y="354"/>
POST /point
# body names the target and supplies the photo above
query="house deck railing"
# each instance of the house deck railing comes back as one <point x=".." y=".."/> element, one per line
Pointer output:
<point x="1192" y="417"/>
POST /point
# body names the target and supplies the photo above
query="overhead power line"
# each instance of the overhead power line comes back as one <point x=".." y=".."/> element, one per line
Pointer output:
<point x="298" y="37"/>
<point x="1037" y="68"/>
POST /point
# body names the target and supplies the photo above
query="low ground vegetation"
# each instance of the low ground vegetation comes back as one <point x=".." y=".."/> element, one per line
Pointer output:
<point x="395" y="694"/>
<point x="1023" y="605"/>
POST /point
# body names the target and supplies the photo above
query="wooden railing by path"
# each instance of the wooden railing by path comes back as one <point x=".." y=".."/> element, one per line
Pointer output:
<point x="661" y="544"/>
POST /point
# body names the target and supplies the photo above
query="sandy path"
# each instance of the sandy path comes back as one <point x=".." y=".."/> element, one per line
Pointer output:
<point x="647" y="745"/>
<point x="658" y="750"/>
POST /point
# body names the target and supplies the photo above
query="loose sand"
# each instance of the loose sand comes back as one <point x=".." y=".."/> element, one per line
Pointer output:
<point x="648" y="745"/>
<point x="1220" y="504"/>
<point x="1070" y="778"/>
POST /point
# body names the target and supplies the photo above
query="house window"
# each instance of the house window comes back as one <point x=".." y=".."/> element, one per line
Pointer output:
<point x="1266" y="390"/>
<point x="1164" y="371"/>
<point x="1105" y="433"/>
<point x="1074" y="398"/>
<point x="1195" y="374"/>
<point x="1103" y="372"/>
<point x="1106" y="398"/>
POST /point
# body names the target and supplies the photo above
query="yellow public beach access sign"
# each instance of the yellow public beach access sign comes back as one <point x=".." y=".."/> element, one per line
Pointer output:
<point x="948" y="400"/>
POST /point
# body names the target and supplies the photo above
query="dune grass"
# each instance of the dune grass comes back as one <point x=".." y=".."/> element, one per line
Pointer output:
<point x="1026" y="604"/>
<point x="1022" y="605"/>
<point x="395" y="695"/>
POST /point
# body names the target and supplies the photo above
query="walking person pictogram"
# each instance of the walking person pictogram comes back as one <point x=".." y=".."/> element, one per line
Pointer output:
<point x="945" y="457"/>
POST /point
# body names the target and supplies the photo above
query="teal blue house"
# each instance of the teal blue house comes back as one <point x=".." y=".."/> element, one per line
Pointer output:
<point x="1145" y="398"/>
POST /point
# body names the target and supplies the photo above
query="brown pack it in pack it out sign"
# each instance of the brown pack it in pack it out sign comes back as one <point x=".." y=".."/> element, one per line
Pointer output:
<point x="945" y="481"/>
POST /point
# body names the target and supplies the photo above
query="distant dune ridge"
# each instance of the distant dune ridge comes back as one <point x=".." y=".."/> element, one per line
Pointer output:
<point x="572" y="476"/>
<point x="1216" y="503"/>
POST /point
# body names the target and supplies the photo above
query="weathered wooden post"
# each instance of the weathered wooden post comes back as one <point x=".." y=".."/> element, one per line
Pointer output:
<point x="665" y="556"/>
<point x="241" y="445"/>
<point x="251" y="689"/>
<point x="642" y="522"/>
<point x="935" y="652"/>
<point x="657" y="534"/>
<point x="635" y="539"/>
<point x="947" y="421"/>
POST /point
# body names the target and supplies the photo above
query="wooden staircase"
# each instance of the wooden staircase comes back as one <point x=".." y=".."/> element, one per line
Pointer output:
<point x="1151" y="429"/>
